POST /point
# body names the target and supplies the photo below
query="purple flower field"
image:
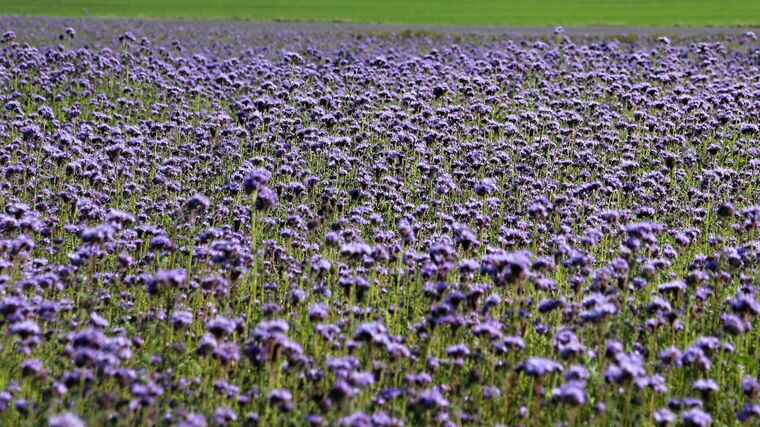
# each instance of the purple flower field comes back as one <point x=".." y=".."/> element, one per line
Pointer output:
<point x="229" y="227"/>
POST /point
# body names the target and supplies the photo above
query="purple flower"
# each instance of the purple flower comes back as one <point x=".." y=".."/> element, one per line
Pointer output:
<point x="664" y="416"/>
<point x="696" y="418"/>
<point x="8" y="37"/>
<point x="198" y="202"/>
<point x="193" y="420"/>
<point x="25" y="328"/>
<point x="672" y="287"/>
<point x="735" y="325"/>
<point x="166" y="280"/>
<point x="507" y="268"/>
<point x="571" y="393"/>
<point x="490" y="391"/>
<point x="726" y="210"/>
<point x="318" y="312"/>
<point x="224" y="416"/>
<point x="266" y="199"/>
<point x="221" y="326"/>
<point x="748" y="412"/>
<point x="32" y="367"/>
<point x="458" y="350"/>
<point x="357" y="419"/>
<point x="627" y="367"/>
<point x="162" y="243"/>
<point x="373" y="332"/>
<point x="280" y="396"/>
<point x="705" y="385"/>
<point x="182" y="319"/>
<point x="67" y="419"/>
<point x="256" y="180"/>
<point x="751" y="386"/>
<point x="315" y="420"/>
<point x="99" y="234"/>
<point x="538" y="367"/>
<point x="432" y="399"/>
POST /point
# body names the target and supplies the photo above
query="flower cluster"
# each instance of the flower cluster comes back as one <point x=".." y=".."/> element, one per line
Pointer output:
<point x="201" y="226"/>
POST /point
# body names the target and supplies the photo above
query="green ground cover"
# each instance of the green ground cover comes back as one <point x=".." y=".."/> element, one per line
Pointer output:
<point x="447" y="12"/>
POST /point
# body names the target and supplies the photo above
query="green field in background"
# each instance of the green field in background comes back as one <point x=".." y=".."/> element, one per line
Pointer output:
<point x="451" y="12"/>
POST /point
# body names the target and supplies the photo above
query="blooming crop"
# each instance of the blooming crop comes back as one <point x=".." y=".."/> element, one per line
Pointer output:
<point x="204" y="225"/>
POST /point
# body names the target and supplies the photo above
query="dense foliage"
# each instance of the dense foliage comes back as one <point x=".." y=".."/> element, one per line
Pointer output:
<point x="216" y="227"/>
